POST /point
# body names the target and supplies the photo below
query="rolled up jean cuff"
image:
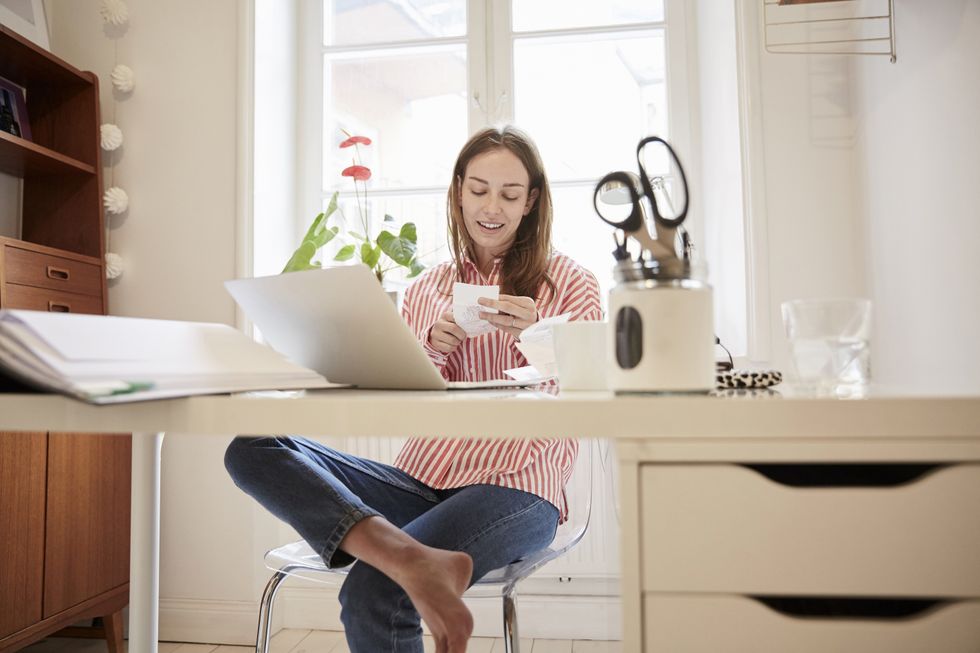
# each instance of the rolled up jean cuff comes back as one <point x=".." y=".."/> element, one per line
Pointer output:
<point x="332" y="556"/>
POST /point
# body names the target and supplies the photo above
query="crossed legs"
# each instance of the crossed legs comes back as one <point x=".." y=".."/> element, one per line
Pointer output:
<point x="418" y="548"/>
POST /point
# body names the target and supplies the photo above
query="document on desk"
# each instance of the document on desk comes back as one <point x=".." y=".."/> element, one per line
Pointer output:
<point x="107" y="359"/>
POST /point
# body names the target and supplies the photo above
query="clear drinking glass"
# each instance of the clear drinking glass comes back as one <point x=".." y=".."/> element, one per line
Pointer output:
<point x="830" y="343"/>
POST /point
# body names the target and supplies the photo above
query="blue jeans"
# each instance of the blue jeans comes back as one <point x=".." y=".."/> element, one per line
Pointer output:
<point x="322" y="493"/>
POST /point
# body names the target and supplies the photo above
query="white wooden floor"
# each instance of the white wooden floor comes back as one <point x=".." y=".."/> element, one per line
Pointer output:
<point x="325" y="641"/>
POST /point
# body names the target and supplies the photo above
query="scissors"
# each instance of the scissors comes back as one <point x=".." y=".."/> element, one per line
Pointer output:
<point x="635" y="224"/>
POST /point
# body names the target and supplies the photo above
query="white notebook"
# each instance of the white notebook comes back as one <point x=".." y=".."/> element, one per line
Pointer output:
<point x="107" y="359"/>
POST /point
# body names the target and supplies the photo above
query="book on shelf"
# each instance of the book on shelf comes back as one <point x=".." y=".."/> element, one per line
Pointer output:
<point x="104" y="359"/>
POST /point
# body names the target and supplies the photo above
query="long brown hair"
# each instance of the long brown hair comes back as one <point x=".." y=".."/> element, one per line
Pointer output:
<point x="525" y="265"/>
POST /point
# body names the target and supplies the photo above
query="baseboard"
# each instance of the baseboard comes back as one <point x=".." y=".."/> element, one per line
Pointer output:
<point x="539" y="616"/>
<point x="211" y="622"/>
<point x="542" y="613"/>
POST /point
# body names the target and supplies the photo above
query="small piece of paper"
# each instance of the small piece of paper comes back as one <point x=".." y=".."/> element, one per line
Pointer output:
<point x="526" y="373"/>
<point x="466" y="308"/>
<point x="537" y="343"/>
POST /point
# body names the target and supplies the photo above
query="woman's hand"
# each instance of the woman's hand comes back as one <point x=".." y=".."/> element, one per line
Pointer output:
<point x="516" y="313"/>
<point x="445" y="335"/>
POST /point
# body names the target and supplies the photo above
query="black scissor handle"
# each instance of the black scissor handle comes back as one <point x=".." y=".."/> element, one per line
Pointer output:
<point x="634" y="221"/>
<point x="648" y="188"/>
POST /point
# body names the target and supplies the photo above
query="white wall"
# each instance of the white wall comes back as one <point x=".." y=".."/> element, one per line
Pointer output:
<point x="805" y="163"/>
<point x="920" y="173"/>
<point x="856" y="153"/>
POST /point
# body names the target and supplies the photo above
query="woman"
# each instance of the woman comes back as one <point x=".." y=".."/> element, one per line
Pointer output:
<point x="448" y="511"/>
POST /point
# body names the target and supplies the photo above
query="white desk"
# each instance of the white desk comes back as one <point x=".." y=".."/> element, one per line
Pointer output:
<point x="888" y="426"/>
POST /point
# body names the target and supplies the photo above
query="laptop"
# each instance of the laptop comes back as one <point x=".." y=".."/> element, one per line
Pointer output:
<point x="339" y="322"/>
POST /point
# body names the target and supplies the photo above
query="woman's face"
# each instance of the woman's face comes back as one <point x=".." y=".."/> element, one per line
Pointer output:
<point x="494" y="198"/>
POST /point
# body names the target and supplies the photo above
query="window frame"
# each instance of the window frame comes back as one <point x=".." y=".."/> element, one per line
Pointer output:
<point x="490" y="100"/>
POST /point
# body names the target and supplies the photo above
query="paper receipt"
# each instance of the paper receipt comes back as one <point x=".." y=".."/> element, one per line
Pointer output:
<point x="466" y="309"/>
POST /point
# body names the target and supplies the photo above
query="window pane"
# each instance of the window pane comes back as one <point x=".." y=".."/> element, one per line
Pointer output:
<point x="532" y="15"/>
<point x="587" y="100"/>
<point x="579" y="233"/>
<point x="411" y="103"/>
<point x="352" y="22"/>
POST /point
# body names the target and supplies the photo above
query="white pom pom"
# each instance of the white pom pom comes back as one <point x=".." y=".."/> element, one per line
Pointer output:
<point x="112" y="137"/>
<point x="114" y="12"/>
<point x="113" y="265"/>
<point x="115" y="200"/>
<point x="122" y="78"/>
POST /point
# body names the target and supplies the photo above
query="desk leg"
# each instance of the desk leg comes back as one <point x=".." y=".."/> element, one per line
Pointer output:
<point x="144" y="543"/>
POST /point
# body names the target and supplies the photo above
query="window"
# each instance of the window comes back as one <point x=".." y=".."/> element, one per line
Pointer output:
<point x="586" y="79"/>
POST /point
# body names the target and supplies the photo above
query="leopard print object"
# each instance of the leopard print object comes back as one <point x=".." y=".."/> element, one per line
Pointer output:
<point x="746" y="379"/>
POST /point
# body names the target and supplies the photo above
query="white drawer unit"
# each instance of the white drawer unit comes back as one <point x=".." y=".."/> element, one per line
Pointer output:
<point x="860" y="530"/>
<point x="708" y="623"/>
<point x="812" y="540"/>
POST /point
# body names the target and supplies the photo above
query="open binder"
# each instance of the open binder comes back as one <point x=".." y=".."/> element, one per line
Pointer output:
<point x="107" y="359"/>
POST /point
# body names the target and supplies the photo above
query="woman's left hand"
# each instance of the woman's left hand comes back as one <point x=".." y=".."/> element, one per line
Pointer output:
<point x="516" y="313"/>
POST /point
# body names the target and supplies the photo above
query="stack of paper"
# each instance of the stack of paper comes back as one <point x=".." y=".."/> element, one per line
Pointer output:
<point x="103" y="359"/>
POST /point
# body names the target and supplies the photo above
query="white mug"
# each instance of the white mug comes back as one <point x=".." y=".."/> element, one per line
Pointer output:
<point x="580" y="354"/>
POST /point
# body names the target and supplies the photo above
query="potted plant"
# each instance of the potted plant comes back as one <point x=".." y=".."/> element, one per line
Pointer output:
<point x="382" y="253"/>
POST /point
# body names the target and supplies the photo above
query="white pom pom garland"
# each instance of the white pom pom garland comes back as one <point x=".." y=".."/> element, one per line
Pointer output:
<point x="122" y="78"/>
<point x="116" y="200"/>
<point x="114" y="12"/>
<point x="112" y="137"/>
<point x="113" y="265"/>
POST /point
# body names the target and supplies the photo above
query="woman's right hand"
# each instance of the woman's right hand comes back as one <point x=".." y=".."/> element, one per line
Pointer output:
<point x="445" y="335"/>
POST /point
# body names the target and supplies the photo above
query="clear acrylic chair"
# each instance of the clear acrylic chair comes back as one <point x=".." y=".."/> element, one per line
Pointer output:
<point x="299" y="559"/>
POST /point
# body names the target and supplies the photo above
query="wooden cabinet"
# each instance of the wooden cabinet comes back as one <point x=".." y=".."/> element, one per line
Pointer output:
<point x="64" y="499"/>
<point x="22" y="475"/>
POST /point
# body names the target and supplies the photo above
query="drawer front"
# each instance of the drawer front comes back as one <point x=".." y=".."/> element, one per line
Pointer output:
<point x="736" y="624"/>
<point x="41" y="299"/>
<point x="28" y="268"/>
<point x="730" y="529"/>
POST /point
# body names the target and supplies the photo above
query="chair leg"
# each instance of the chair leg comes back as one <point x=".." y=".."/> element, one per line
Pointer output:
<point x="265" y="611"/>
<point x="512" y="642"/>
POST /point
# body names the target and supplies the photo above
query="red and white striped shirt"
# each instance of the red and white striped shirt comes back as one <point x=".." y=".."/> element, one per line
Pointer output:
<point x="539" y="466"/>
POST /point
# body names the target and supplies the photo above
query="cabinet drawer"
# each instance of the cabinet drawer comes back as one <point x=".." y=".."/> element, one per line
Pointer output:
<point x="731" y="529"/>
<point x="42" y="299"/>
<point x="29" y="268"/>
<point x="736" y="624"/>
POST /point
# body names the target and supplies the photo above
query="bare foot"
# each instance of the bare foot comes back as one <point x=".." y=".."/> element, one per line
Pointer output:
<point x="435" y="581"/>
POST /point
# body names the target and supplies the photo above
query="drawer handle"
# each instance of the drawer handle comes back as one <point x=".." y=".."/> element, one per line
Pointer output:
<point x="836" y="607"/>
<point x="846" y="475"/>
<point x="58" y="307"/>
<point x="59" y="274"/>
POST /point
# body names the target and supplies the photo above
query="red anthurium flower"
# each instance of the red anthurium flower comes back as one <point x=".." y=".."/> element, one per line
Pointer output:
<point x="363" y="140"/>
<point x="360" y="173"/>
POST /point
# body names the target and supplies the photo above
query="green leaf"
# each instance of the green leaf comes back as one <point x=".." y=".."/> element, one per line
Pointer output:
<point x="332" y="206"/>
<point x="370" y="255"/>
<point x="316" y="225"/>
<point x="357" y="236"/>
<point x="300" y="260"/>
<point x="316" y="237"/>
<point x="399" y="250"/>
<point x="388" y="218"/>
<point x="408" y="232"/>
<point x="345" y="253"/>
<point x="415" y="268"/>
